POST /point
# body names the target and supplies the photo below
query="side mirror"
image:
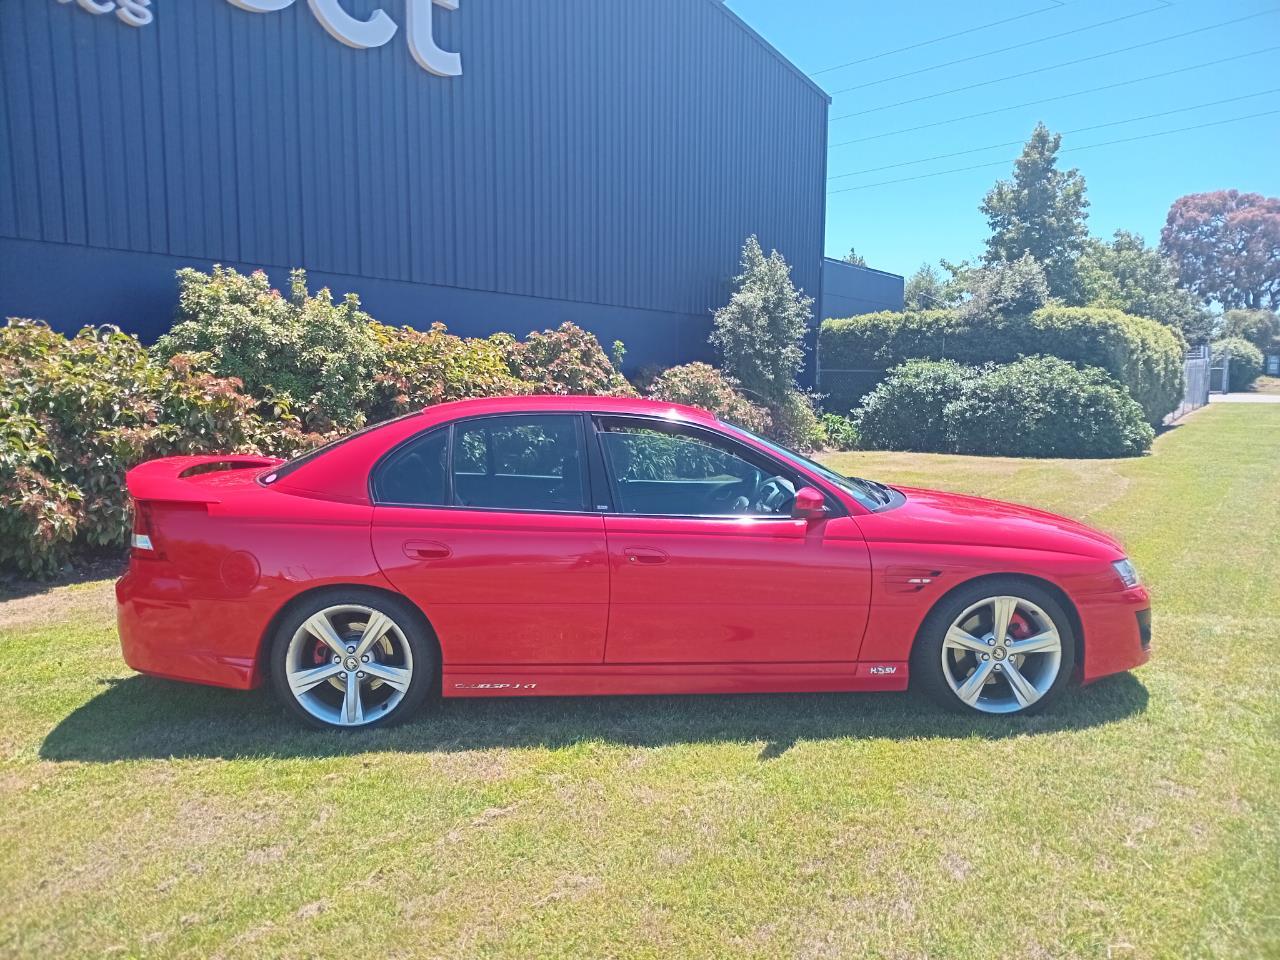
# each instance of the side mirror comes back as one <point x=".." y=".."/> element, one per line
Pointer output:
<point x="809" y="504"/>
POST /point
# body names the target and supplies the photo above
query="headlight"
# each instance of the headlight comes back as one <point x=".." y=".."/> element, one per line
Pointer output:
<point x="1127" y="571"/>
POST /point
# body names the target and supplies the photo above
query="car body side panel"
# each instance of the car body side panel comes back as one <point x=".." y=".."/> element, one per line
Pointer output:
<point x="723" y="590"/>
<point x="910" y="578"/>
<point x="200" y="611"/>
<point x="501" y="587"/>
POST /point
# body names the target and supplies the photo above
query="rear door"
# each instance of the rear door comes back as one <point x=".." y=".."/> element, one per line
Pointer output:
<point x="485" y="525"/>
<point x="708" y="565"/>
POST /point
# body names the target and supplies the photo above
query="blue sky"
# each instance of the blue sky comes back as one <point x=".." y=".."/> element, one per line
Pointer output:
<point x="1131" y="185"/>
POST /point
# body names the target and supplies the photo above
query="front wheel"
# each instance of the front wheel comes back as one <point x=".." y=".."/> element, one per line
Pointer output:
<point x="1002" y="646"/>
<point x="351" y="659"/>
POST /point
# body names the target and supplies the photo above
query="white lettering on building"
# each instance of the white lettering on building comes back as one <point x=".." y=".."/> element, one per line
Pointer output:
<point x="378" y="29"/>
<point x="342" y="26"/>
<point x="132" y="12"/>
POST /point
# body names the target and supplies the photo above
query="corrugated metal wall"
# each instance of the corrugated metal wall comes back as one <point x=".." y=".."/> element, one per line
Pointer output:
<point x="599" y="151"/>
<point x="848" y="290"/>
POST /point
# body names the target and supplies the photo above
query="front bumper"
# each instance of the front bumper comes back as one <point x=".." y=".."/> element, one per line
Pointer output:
<point x="1117" y="632"/>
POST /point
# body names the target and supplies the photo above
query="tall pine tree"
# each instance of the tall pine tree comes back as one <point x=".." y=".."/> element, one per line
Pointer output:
<point x="1041" y="211"/>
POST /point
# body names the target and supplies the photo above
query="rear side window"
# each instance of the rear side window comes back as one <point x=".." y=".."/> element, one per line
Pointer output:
<point x="416" y="473"/>
<point x="529" y="462"/>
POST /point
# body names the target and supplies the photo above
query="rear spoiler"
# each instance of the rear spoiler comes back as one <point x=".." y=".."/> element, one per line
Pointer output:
<point x="169" y="479"/>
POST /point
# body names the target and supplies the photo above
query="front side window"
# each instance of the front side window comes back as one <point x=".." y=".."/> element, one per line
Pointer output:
<point x="675" y="470"/>
<point x="531" y="462"/>
<point x="871" y="494"/>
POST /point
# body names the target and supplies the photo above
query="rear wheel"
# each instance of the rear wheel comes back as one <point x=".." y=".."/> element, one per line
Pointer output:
<point x="1002" y="646"/>
<point x="351" y="659"/>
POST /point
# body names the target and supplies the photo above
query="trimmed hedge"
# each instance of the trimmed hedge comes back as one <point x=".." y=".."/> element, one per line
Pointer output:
<point x="1143" y="355"/>
<point x="1034" y="407"/>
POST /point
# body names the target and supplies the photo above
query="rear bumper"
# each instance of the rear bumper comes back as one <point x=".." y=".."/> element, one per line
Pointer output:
<point x="164" y="634"/>
<point x="1117" y="633"/>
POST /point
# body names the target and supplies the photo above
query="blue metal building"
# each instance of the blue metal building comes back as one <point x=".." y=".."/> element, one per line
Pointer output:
<point x="489" y="164"/>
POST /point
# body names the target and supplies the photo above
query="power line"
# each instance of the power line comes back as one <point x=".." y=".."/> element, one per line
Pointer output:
<point x="949" y="36"/>
<point x="1054" y="99"/>
<point x="1164" y="5"/>
<point x="1090" y="146"/>
<point x="1096" y="126"/>
<point x="1065" y="63"/>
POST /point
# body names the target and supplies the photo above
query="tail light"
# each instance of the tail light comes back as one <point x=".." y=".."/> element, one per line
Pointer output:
<point x="142" y="541"/>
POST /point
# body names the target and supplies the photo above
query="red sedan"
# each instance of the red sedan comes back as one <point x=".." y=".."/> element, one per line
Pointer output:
<point x="547" y="546"/>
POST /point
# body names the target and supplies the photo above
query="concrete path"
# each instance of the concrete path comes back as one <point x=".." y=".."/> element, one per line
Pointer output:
<point x="1244" y="398"/>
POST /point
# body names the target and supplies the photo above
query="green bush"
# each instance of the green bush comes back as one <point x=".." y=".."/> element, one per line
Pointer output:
<point x="794" y="422"/>
<point x="334" y="366"/>
<point x="702" y="385"/>
<point x="317" y="356"/>
<point x="1259" y="327"/>
<point x="1246" y="361"/>
<point x="422" y="368"/>
<point x="1045" y="407"/>
<point x="76" y="413"/>
<point x="1143" y="355"/>
<point x="567" y="360"/>
<point x="907" y="410"/>
<point x="1034" y="407"/>
<point x="841" y="432"/>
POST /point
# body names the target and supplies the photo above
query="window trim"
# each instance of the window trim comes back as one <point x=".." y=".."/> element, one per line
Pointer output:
<point x="834" y="507"/>
<point x="451" y="426"/>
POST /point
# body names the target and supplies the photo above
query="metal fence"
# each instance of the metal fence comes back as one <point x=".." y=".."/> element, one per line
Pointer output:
<point x="1197" y="370"/>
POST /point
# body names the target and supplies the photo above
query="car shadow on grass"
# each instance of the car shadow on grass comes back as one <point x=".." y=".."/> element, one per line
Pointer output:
<point x="145" y="718"/>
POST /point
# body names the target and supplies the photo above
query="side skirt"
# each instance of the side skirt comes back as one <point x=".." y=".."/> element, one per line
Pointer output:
<point x="555" y="680"/>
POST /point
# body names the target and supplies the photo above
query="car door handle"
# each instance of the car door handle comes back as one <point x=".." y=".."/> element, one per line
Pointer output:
<point x="426" y="550"/>
<point x="644" y="555"/>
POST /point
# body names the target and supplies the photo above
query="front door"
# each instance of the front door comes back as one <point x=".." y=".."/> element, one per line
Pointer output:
<point x="707" y="564"/>
<point x="485" y="526"/>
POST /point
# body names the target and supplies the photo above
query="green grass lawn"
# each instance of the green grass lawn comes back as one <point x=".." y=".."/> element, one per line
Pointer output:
<point x="1140" y="818"/>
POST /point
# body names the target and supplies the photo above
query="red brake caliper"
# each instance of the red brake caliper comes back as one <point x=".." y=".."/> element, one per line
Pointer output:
<point x="1019" y="627"/>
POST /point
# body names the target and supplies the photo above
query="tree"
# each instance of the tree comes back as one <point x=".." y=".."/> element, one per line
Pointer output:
<point x="1226" y="247"/>
<point x="854" y="258"/>
<point x="925" y="290"/>
<point x="760" y="331"/>
<point x="1127" y="275"/>
<point x="1259" y="327"/>
<point x="1041" y="211"/>
<point x="1003" y="289"/>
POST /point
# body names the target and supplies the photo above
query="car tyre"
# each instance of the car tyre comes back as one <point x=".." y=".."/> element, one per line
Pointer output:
<point x="352" y="659"/>
<point x="963" y="662"/>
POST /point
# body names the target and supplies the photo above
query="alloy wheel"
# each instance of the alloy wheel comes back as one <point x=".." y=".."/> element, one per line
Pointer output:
<point x="1001" y="654"/>
<point x="349" y="665"/>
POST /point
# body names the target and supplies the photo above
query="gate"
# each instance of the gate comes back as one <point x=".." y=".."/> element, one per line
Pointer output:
<point x="1197" y="372"/>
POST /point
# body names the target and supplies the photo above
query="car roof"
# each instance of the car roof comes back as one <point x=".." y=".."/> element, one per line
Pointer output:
<point x="568" y="403"/>
<point x="341" y="471"/>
